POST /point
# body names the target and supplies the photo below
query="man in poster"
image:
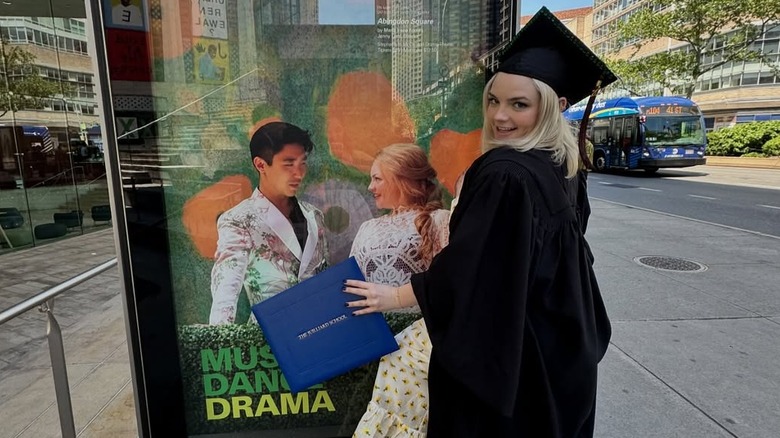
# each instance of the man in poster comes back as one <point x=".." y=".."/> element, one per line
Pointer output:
<point x="126" y="14"/>
<point x="270" y="241"/>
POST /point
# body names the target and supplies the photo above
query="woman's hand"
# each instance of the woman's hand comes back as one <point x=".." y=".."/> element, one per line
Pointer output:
<point x="377" y="297"/>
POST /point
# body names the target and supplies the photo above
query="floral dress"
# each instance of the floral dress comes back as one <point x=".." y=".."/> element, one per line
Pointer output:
<point x="387" y="251"/>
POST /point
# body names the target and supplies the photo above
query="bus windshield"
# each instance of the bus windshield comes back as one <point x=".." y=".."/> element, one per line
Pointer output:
<point x="673" y="130"/>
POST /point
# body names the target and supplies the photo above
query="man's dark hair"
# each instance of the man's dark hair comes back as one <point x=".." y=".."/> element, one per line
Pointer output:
<point x="271" y="138"/>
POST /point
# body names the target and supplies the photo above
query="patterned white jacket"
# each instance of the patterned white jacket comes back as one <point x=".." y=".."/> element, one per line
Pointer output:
<point x="257" y="250"/>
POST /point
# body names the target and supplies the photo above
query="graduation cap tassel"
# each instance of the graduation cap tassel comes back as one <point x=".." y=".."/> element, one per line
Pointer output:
<point x="584" y="127"/>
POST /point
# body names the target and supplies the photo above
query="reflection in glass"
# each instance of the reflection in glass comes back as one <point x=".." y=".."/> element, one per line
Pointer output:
<point x="51" y="160"/>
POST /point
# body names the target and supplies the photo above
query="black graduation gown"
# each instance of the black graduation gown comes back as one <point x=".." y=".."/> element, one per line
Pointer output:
<point x="512" y="307"/>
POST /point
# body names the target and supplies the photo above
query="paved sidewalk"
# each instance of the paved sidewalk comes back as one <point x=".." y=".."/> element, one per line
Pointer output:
<point x="92" y="321"/>
<point x="754" y="177"/>
<point x="692" y="354"/>
<point x="751" y="162"/>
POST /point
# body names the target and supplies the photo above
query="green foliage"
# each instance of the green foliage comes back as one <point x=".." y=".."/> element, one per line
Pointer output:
<point x="424" y="111"/>
<point x="743" y="138"/>
<point x="350" y="392"/>
<point x="700" y="24"/>
<point x="263" y="111"/>
<point x="772" y="147"/>
<point x="463" y="111"/>
<point x="21" y="86"/>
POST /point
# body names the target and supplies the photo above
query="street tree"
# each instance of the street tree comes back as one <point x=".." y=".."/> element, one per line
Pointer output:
<point x="21" y="86"/>
<point x="425" y="111"/>
<point x="717" y="32"/>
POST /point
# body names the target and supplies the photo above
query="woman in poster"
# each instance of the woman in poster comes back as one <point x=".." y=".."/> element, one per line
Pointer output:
<point x="389" y="249"/>
<point x="511" y="304"/>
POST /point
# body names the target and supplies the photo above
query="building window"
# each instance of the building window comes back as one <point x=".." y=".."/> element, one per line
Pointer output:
<point x="749" y="79"/>
<point x="766" y="78"/>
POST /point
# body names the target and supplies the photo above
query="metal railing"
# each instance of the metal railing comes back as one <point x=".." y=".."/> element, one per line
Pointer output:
<point x="45" y="303"/>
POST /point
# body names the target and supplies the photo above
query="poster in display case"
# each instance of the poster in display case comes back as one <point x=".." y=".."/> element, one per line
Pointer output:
<point x="200" y="244"/>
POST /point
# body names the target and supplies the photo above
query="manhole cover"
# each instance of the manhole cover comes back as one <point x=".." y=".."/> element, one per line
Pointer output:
<point x="670" y="264"/>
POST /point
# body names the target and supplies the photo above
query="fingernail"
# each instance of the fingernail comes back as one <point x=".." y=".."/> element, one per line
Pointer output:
<point x="346" y="304"/>
<point x="343" y="289"/>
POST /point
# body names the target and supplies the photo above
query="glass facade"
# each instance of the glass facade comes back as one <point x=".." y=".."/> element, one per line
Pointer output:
<point x="736" y="74"/>
<point x="52" y="174"/>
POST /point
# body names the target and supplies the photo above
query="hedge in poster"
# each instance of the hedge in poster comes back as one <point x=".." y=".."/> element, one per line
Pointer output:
<point x="233" y="383"/>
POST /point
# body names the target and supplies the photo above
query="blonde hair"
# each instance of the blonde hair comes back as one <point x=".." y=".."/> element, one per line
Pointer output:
<point x="406" y="166"/>
<point x="551" y="133"/>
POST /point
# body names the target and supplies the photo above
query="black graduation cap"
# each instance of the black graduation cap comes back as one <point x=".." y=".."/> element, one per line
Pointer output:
<point x="545" y="49"/>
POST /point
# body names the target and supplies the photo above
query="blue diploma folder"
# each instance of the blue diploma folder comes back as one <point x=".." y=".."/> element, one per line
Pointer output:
<point x="313" y="336"/>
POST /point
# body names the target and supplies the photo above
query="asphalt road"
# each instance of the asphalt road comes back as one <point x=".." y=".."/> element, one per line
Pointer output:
<point x="675" y="192"/>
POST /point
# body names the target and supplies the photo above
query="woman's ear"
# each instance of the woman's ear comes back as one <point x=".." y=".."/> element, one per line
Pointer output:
<point x="563" y="104"/>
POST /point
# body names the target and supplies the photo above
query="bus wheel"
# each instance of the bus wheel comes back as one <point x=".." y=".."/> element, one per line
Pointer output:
<point x="599" y="162"/>
<point x="651" y="170"/>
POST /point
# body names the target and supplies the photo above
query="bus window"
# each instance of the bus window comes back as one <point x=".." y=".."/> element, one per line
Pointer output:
<point x="629" y="132"/>
<point x="617" y="131"/>
<point x="674" y="130"/>
<point x="600" y="135"/>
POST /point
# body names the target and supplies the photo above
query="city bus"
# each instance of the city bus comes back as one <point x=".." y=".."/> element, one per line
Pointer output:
<point x="644" y="133"/>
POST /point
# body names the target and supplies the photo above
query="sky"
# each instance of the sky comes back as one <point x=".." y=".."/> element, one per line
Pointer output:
<point x="346" y="11"/>
<point x="529" y="7"/>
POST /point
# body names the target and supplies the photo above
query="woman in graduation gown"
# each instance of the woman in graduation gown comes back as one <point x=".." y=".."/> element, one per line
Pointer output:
<point x="511" y="305"/>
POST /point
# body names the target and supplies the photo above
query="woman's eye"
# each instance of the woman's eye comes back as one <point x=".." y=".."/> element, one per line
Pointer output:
<point x="519" y="105"/>
<point x="492" y="100"/>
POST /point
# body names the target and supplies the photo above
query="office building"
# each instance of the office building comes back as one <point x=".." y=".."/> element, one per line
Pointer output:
<point x="454" y="38"/>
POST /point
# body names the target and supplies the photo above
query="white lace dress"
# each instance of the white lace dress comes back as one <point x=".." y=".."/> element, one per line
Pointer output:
<point x="387" y="251"/>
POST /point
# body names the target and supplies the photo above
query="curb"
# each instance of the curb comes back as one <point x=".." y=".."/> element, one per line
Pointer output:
<point x="751" y="162"/>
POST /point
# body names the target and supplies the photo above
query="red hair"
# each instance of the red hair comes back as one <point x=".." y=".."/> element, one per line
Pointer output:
<point x="407" y="167"/>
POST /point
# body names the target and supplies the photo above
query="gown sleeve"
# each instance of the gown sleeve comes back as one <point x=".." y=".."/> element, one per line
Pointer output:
<point x="473" y="297"/>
